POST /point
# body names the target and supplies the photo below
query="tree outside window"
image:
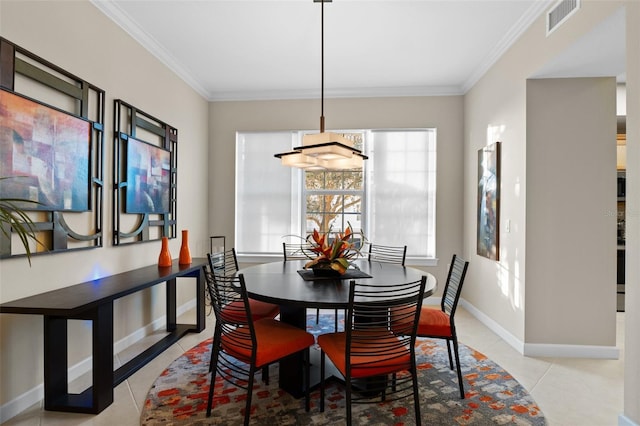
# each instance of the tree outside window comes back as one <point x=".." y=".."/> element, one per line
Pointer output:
<point x="334" y="199"/>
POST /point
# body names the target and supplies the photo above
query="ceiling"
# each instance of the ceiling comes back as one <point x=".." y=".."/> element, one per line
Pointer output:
<point x="271" y="49"/>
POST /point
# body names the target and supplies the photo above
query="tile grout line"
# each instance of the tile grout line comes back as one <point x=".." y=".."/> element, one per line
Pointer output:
<point x="546" y="372"/>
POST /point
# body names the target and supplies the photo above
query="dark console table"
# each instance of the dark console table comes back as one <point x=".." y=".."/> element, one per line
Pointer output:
<point x="93" y="300"/>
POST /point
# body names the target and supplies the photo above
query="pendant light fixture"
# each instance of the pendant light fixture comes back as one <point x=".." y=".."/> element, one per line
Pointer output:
<point x="325" y="150"/>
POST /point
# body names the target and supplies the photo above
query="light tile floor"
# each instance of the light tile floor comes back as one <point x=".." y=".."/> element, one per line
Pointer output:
<point x="570" y="392"/>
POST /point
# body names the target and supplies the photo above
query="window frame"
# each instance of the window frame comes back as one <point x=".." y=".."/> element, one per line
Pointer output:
<point x="298" y="185"/>
<point x="361" y="135"/>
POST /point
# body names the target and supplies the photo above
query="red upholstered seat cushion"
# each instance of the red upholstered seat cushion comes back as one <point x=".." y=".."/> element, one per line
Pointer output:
<point x="274" y="339"/>
<point x="369" y="357"/>
<point x="234" y="311"/>
<point x="433" y="322"/>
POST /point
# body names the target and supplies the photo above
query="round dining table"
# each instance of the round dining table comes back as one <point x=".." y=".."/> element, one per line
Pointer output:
<point x="295" y="289"/>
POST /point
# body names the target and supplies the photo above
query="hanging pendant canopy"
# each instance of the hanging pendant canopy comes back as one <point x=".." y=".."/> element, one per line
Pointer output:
<point x="325" y="150"/>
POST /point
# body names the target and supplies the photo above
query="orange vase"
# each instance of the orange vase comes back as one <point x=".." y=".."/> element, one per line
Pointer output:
<point x="185" y="253"/>
<point x="165" y="257"/>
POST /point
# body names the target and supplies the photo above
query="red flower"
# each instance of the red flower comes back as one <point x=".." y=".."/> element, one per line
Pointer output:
<point x="335" y="253"/>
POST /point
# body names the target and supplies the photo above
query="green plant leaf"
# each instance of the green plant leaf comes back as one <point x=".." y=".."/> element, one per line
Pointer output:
<point x="13" y="217"/>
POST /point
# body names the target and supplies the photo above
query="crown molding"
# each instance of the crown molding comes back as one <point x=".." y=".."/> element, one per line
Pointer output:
<point x="366" y="92"/>
<point x="124" y="21"/>
<point x="525" y="21"/>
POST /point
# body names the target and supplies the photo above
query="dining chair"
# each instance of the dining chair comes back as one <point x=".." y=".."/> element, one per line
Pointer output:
<point x="242" y="345"/>
<point x="302" y="251"/>
<point x="438" y="322"/>
<point x="297" y="251"/>
<point x="387" y="254"/>
<point x="370" y="350"/>
<point x="225" y="264"/>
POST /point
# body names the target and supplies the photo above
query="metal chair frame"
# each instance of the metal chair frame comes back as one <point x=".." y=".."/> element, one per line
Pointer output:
<point x="376" y="349"/>
<point x="448" y="305"/>
<point x="226" y="264"/>
<point x="387" y="254"/>
<point x="235" y="330"/>
<point x="297" y="251"/>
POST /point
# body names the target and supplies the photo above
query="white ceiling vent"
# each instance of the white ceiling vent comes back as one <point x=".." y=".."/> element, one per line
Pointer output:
<point x="560" y="13"/>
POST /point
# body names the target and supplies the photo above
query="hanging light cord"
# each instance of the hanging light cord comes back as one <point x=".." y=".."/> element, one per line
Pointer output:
<point x="322" y="67"/>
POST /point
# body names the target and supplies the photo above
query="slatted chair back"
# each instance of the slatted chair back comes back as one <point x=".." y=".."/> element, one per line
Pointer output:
<point x="297" y="251"/>
<point x="242" y="345"/>
<point x="226" y="266"/>
<point x="453" y="286"/>
<point x="437" y="323"/>
<point x="387" y="254"/>
<point x="224" y="263"/>
<point x="371" y="348"/>
<point x="367" y="322"/>
<point x="234" y="334"/>
<point x="232" y="310"/>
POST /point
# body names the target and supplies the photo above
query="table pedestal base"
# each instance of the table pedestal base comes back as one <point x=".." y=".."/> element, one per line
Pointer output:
<point x="291" y="368"/>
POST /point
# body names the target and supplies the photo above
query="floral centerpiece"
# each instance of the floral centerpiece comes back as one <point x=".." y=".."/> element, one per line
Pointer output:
<point x="333" y="256"/>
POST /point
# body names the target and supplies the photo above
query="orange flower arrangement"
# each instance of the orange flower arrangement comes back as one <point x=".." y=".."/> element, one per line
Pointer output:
<point x="332" y="254"/>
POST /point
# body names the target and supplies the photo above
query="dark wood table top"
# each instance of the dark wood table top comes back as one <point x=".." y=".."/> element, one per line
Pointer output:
<point x="71" y="300"/>
<point x="280" y="283"/>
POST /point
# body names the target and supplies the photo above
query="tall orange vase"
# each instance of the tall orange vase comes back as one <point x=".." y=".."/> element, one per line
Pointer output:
<point x="165" y="256"/>
<point x="185" y="253"/>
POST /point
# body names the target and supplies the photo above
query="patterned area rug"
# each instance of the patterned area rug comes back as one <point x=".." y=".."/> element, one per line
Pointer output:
<point x="493" y="397"/>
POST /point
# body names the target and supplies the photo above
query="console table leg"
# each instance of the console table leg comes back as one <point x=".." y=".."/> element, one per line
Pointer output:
<point x="200" y="300"/>
<point x="55" y="361"/>
<point x="56" y="388"/>
<point x="171" y="305"/>
<point x="103" y="378"/>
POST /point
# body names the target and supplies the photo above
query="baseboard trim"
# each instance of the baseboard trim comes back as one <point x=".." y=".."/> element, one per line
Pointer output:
<point x="505" y="335"/>
<point x="570" y="351"/>
<point x="21" y="403"/>
<point x="36" y="395"/>
<point x="542" y="350"/>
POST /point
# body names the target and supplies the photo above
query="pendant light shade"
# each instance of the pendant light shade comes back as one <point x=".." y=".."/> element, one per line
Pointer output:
<point x="325" y="150"/>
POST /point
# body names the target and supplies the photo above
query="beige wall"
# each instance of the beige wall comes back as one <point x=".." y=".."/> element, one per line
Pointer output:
<point x="513" y="294"/>
<point x="77" y="37"/>
<point x="571" y="168"/>
<point x="443" y="113"/>
<point x="632" y="330"/>
<point x="495" y="109"/>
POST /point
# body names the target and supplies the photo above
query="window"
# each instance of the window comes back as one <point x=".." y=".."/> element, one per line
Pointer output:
<point x="266" y="193"/>
<point x="400" y="185"/>
<point x="333" y="199"/>
<point x="392" y="200"/>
